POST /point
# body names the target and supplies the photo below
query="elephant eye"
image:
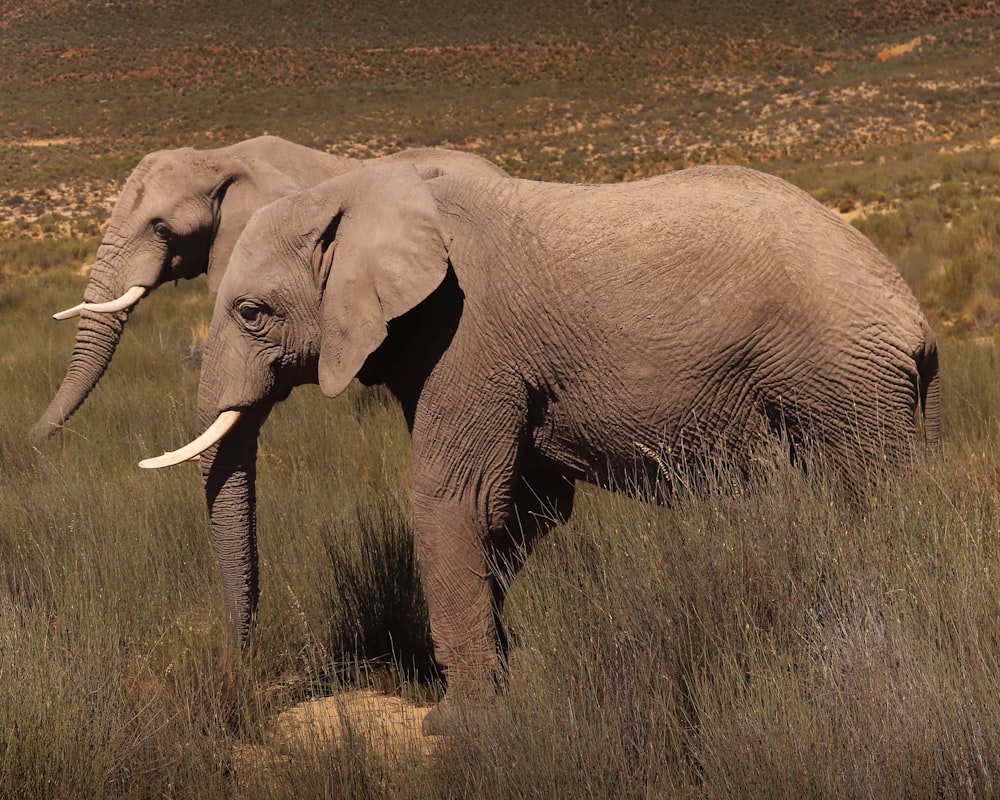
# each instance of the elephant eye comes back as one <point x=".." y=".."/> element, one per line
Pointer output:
<point x="252" y="313"/>
<point x="163" y="232"/>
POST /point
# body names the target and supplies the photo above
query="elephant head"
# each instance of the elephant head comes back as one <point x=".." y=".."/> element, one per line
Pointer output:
<point x="178" y="216"/>
<point x="313" y="284"/>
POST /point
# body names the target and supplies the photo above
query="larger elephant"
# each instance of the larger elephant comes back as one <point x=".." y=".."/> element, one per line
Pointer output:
<point x="539" y="334"/>
<point x="178" y="216"/>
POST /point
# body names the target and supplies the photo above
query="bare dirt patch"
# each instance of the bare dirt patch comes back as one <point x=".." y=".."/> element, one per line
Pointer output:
<point x="50" y="142"/>
<point x="895" y="51"/>
<point x="851" y="211"/>
<point x="391" y="725"/>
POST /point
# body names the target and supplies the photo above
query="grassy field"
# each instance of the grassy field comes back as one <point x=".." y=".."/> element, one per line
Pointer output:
<point x="772" y="644"/>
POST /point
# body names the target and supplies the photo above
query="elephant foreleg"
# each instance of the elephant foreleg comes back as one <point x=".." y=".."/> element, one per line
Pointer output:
<point x="459" y="589"/>
<point x="466" y="577"/>
<point x="464" y="497"/>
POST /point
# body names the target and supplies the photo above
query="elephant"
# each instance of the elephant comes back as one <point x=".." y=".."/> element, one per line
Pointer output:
<point x="179" y="215"/>
<point x="539" y="334"/>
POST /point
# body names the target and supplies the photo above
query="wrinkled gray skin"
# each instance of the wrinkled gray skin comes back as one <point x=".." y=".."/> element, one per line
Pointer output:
<point x="178" y="216"/>
<point x="539" y="334"/>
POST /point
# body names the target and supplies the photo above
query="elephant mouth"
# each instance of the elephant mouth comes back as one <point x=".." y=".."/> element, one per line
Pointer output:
<point x="213" y="434"/>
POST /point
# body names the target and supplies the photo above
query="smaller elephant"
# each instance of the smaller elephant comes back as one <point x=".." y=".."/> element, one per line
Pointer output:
<point x="537" y="335"/>
<point x="179" y="216"/>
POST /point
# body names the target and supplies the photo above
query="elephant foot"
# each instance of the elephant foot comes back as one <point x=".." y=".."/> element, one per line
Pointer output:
<point x="455" y="711"/>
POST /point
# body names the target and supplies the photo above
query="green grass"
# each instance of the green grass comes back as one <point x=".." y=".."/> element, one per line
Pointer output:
<point x="773" y="644"/>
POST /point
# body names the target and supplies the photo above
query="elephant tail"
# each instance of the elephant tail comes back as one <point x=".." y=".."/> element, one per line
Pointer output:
<point x="930" y="391"/>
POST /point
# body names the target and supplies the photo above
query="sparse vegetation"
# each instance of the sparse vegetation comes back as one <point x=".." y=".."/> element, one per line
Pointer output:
<point x="773" y="644"/>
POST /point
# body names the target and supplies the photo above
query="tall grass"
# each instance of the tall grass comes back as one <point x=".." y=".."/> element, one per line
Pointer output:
<point x="770" y="644"/>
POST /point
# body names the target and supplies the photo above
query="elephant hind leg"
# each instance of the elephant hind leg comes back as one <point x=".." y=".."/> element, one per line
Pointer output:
<point x="788" y="430"/>
<point x="854" y="442"/>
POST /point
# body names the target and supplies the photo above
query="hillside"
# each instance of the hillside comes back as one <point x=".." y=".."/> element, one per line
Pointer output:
<point x="118" y="79"/>
<point x="834" y="97"/>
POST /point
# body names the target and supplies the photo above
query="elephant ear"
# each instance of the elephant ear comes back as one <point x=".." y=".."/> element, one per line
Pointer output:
<point x="248" y="184"/>
<point x="389" y="253"/>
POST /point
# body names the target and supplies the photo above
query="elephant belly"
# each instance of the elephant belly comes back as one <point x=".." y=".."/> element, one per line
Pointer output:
<point x="633" y="446"/>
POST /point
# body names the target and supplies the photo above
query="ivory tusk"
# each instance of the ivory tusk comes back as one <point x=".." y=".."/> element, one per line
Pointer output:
<point x="69" y="312"/>
<point x="130" y="297"/>
<point x="189" y="452"/>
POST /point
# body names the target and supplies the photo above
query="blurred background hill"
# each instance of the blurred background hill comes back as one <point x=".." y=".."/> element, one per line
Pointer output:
<point x="887" y="111"/>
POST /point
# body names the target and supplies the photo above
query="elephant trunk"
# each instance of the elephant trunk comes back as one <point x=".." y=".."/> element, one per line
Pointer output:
<point x="97" y="338"/>
<point x="229" y="472"/>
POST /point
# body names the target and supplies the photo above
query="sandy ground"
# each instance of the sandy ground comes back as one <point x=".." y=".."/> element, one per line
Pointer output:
<point x="390" y="724"/>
